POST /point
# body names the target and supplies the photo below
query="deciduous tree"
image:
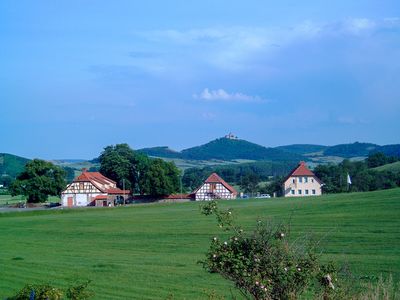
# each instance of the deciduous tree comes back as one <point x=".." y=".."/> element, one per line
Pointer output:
<point x="39" y="180"/>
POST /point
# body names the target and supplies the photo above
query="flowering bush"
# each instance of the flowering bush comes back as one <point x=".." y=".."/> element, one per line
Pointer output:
<point x="48" y="292"/>
<point x="264" y="264"/>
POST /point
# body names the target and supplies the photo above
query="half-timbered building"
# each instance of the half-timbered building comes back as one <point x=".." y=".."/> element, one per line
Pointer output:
<point x="92" y="189"/>
<point x="214" y="188"/>
<point x="301" y="182"/>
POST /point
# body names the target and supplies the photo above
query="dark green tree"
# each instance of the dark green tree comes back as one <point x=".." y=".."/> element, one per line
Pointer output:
<point x="249" y="182"/>
<point x="122" y="164"/>
<point x="159" y="178"/>
<point x="39" y="180"/>
<point x="138" y="172"/>
<point x="6" y="180"/>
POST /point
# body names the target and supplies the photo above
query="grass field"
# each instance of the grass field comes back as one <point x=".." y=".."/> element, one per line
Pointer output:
<point x="8" y="199"/>
<point x="394" y="167"/>
<point x="150" y="251"/>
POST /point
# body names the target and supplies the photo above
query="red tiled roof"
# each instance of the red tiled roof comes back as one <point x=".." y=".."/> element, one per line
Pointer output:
<point x="89" y="176"/>
<point x="100" y="197"/>
<point x="214" y="178"/>
<point x="99" y="181"/>
<point x="301" y="170"/>
<point x="117" y="191"/>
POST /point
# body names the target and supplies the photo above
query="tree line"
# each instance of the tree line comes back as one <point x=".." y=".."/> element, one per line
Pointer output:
<point x="129" y="169"/>
<point x="362" y="174"/>
<point x="247" y="175"/>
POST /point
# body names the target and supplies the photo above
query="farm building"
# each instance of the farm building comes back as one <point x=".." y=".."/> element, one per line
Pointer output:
<point x="92" y="189"/>
<point x="214" y="188"/>
<point x="302" y="182"/>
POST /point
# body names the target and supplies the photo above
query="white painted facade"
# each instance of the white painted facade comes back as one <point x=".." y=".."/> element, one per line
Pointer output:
<point x="80" y="194"/>
<point x="92" y="188"/>
<point x="299" y="186"/>
<point x="211" y="191"/>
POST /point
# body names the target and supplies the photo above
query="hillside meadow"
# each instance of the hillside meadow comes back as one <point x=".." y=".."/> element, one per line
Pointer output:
<point x="151" y="251"/>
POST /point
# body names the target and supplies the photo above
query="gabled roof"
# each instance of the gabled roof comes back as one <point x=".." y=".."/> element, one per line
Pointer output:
<point x="97" y="176"/>
<point x="214" y="178"/>
<point x="101" y="182"/>
<point x="301" y="170"/>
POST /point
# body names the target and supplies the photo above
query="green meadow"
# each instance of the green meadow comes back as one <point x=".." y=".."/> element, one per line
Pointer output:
<point x="151" y="251"/>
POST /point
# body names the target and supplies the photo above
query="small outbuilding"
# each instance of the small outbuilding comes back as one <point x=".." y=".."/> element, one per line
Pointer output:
<point x="214" y="187"/>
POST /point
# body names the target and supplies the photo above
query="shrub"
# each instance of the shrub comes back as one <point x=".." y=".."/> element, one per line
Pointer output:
<point x="48" y="292"/>
<point x="38" y="292"/>
<point x="264" y="264"/>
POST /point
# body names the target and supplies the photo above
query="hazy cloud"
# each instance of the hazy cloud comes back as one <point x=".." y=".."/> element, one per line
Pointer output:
<point x="222" y="95"/>
<point x="236" y="48"/>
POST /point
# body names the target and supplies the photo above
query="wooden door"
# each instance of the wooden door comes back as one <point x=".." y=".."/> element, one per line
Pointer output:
<point x="70" y="201"/>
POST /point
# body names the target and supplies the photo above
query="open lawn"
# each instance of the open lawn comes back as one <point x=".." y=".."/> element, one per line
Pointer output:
<point x="8" y="199"/>
<point x="150" y="251"/>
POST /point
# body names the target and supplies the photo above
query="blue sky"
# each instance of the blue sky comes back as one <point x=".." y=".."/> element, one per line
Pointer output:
<point x="76" y="76"/>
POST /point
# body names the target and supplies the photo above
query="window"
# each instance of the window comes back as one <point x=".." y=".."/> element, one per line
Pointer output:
<point x="313" y="192"/>
<point x="294" y="180"/>
<point x="312" y="179"/>
<point x="306" y="179"/>
<point x="300" y="179"/>
<point x="292" y="191"/>
<point x="299" y="192"/>
<point x="306" y="192"/>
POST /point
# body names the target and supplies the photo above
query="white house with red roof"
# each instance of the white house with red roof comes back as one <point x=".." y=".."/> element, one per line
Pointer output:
<point x="214" y="188"/>
<point x="92" y="189"/>
<point x="302" y="182"/>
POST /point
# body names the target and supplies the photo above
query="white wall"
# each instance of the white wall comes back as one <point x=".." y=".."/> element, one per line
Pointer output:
<point x="302" y="186"/>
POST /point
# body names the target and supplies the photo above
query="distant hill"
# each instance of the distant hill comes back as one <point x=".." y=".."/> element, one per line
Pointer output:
<point x="230" y="149"/>
<point x="302" y="148"/>
<point x="162" y="151"/>
<point x="389" y="150"/>
<point x="361" y="149"/>
<point x="351" y="150"/>
<point x="11" y="165"/>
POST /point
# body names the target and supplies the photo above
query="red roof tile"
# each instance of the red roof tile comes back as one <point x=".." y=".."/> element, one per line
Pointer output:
<point x="117" y="191"/>
<point x="301" y="170"/>
<point x="214" y="178"/>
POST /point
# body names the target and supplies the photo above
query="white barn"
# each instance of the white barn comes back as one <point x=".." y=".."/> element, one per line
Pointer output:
<point x="214" y="188"/>
<point x="302" y="182"/>
<point x="92" y="189"/>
